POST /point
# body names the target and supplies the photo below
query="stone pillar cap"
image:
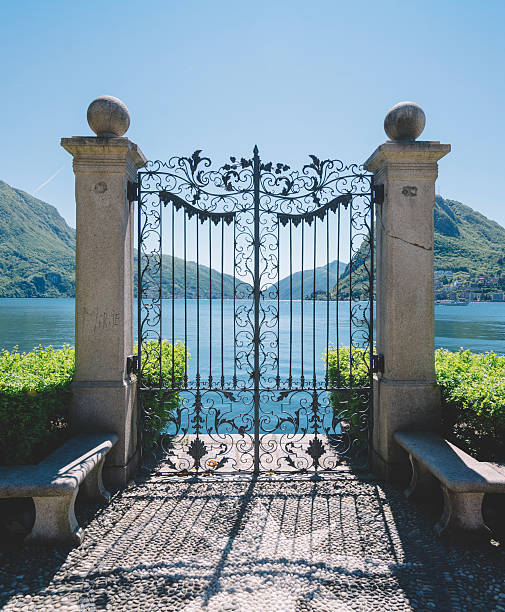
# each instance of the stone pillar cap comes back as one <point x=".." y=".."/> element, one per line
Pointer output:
<point x="404" y="122"/>
<point x="419" y="151"/>
<point x="94" y="146"/>
<point x="108" y="117"/>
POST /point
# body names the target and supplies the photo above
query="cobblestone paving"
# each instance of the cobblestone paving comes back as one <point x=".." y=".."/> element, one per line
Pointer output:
<point x="342" y="544"/>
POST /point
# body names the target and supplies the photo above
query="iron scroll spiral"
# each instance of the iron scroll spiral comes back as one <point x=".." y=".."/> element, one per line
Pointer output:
<point x="308" y="430"/>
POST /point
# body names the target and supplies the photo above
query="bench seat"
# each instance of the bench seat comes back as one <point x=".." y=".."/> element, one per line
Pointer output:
<point x="463" y="479"/>
<point x="54" y="483"/>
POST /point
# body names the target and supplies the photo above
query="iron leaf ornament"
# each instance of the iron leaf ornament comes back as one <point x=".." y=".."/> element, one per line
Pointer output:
<point x="257" y="200"/>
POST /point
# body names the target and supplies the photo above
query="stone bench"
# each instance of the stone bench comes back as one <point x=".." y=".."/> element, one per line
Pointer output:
<point x="463" y="479"/>
<point x="54" y="483"/>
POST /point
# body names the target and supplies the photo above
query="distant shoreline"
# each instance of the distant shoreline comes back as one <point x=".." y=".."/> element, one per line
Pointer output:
<point x="226" y="299"/>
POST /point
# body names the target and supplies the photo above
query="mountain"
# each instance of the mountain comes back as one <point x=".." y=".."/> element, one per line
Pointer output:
<point x="37" y="247"/>
<point x="206" y="275"/>
<point x="466" y="243"/>
<point x="335" y="268"/>
<point x="466" y="240"/>
<point x="37" y="254"/>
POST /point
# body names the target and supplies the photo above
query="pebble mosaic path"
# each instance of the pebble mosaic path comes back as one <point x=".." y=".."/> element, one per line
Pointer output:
<point x="242" y="545"/>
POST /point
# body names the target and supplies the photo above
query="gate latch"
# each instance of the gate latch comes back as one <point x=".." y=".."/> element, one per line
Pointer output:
<point x="378" y="364"/>
<point x="132" y="364"/>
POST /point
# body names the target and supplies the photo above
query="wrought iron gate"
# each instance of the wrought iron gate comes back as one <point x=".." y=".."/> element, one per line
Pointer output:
<point x="255" y="325"/>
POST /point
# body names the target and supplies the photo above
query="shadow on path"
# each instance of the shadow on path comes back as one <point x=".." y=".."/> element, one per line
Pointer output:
<point x="340" y="544"/>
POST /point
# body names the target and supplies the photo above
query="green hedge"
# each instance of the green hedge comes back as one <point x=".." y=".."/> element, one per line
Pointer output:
<point x="158" y="407"/>
<point x="34" y="401"/>
<point x="35" y="397"/>
<point x="473" y="397"/>
<point x="339" y="367"/>
<point x="350" y="404"/>
<point x="473" y="401"/>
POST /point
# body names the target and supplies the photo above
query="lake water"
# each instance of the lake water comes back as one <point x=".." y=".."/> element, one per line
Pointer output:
<point x="27" y="322"/>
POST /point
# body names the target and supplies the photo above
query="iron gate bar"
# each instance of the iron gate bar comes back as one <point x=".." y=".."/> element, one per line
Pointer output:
<point x="256" y="297"/>
<point x="376" y="197"/>
<point x="327" y="294"/>
<point x="302" y="377"/>
<point x="290" y="380"/>
<point x="210" y="306"/>
<point x="337" y="303"/>
<point x="272" y="197"/>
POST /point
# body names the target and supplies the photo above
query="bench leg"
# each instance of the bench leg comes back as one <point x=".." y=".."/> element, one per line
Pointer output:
<point x="93" y="484"/>
<point x="55" y="521"/>
<point x="422" y="483"/>
<point x="462" y="511"/>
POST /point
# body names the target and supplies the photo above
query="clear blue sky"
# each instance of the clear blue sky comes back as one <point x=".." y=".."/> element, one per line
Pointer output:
<point x="295" y="77"/>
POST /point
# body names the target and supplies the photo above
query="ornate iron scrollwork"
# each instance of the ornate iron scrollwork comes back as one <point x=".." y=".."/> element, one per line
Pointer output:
<point x="290" y="417"/>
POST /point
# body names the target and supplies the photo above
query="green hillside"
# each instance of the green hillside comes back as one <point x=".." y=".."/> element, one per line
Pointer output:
<point x="466" y="243"/>
<point x="206" y="281"/>
<point x="37" y="254"/>
<point x="37" y="247"/>
<point x="335" y="269"/>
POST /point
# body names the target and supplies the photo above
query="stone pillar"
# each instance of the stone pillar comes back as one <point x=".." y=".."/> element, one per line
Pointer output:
<point x="406" y="396"/>
<point x="104" y="398"/>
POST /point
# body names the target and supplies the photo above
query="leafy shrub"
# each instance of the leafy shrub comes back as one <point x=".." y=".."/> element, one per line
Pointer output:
<point x="35" y="398"/>
<point x="472" y="386"/>
<point x="473" y="401"/>
<point x="158" y="406"/>
<point x="34" y="402"/>
<point x="350" y="403"/>
<point x="339" y="367"/>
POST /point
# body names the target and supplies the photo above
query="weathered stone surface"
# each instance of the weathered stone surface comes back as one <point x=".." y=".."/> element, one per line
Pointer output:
<point x="462" y="513"/>
<point x="405" y="307"/>
<point x="405" y="393"/>
<point x="454" y="468"/>
<point x="398" y="405"/>
<point x="103" y="392"/>
<point x="111" y="407"/>
<point x="55" y="521"/>
<point x="61" y="472"/>
<point x="405" y="121"/>
<point x="54" y="483"/>
<point x="108" y="117"/>
<point x="464" y="480"/>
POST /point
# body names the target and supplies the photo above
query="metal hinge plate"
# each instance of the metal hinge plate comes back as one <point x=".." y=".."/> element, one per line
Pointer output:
<point x="378" y="194"/>
<point x="132" y="191"/>
<point x="132" y="364"/>
<point x="378" y="364"/>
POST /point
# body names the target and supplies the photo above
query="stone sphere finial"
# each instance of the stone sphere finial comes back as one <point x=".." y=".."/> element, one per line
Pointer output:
<point x="404" y="122"/>
<point x="108" y="117"/>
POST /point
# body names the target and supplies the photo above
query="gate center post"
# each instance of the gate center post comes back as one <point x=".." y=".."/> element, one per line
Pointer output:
<point x="256" y="298"/>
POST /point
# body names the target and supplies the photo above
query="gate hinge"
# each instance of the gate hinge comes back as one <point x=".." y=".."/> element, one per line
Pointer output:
<point x="378" y="364"/>
<point x="378" y="194"/>
<point x="132" y="189"/>
<point x="132" y="364"/>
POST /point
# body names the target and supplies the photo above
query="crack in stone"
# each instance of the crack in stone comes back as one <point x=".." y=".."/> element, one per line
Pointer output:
<point x="407" y="242"/>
